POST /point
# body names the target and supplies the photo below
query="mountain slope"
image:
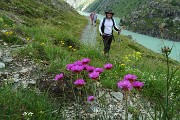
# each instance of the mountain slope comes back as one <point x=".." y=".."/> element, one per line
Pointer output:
<point x="37" y="19"/>
<point x="157" y="19"/>
<point x="120" y="7"/>
<point x="79" y="4"/>
<point x="47" y="28"/>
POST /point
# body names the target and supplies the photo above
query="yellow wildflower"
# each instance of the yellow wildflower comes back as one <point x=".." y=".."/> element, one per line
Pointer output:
<point x="122" y="64"/>
<point x="70" y="47"/>
<point x="138" y="53"/>
<point x="6" y="33"/>
<point x="42" y="44"/>
<point x="27" y="38"/>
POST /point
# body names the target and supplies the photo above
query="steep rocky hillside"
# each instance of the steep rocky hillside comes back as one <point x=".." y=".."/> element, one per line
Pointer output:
<point x="157" y="19"/>
<point x="79" y="4"/>
<point x="120" y="7"/>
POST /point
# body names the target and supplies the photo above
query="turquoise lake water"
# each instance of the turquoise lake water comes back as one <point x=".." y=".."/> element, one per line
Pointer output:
<point x="149" y="42"/>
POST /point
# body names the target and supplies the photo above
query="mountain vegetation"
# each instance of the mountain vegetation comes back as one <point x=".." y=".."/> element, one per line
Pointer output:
<point x="119" y="7"/>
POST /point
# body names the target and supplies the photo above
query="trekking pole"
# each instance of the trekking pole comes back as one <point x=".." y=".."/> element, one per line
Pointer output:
<point x="119" y="39"/>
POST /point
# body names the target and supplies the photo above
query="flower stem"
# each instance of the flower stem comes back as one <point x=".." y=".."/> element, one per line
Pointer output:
<point x="167" y="89"/>
<point x="126" y="100"/>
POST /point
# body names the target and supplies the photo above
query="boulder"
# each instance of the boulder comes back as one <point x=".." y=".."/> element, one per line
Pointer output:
<point x="2" y="65"/>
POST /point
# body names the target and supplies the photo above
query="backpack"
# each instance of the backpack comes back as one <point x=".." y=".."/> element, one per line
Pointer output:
<point x="102" y="27"/>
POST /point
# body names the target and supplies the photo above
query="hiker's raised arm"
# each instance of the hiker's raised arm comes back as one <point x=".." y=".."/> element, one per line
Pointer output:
<point x="116" y="28"/>
<point x="100" y="25"/>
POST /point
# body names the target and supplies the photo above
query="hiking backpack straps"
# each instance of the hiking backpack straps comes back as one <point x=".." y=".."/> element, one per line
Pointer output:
<point x="102" y="27"/>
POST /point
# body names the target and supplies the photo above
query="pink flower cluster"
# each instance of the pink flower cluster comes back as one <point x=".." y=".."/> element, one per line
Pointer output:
<point x="130" y="82"/>
<point x="93" y="72"/>
<point x="83" y="65"/>
<point x="79" y="82"/>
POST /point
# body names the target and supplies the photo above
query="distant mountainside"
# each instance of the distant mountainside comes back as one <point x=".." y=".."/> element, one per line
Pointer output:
<point x="120" y="7"/>
<point x="157" y="18"/>
<point x="79" y="4"/>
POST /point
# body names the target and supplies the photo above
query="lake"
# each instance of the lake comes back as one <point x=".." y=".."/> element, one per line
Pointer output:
<point x="149" y="42"/>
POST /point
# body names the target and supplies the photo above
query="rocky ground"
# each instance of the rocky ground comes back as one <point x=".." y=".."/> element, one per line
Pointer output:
<point x="14" y="70"/>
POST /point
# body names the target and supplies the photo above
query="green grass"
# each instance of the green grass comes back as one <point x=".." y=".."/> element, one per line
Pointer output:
<point x="14" y="103"/>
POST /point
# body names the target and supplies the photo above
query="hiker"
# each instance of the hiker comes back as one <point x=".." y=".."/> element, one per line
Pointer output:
<point x="92" y="17"/>
<point x="106" y="30"/>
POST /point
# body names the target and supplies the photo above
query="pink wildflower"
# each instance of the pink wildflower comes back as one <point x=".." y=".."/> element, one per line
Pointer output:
<point x="130" y="77"/>
<point x="79" y="82"/>
<point x="77" y="68"/>
<point x="94" y="75"/>
<point x="78" y="62"/>
<point x="100" y="70"/>
<point x="90" y="98"/>
<point x="108" y="66"/>
<point x="90" y="69"/>
<point x="125" y="85"/>
<point x="59" y="77"/>
<point x="69" y="66"/>
<point x="85" y="61"/>
<point x="138" y="85"/>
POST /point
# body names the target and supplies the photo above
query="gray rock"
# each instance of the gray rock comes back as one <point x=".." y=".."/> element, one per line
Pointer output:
<point x="24" y="84"/>
<point x="95" y="109"/>
<point x="2" y="65"/>
<point x="117" y="95"/>
<point x="16" y="75"/>
<point x="32" y="82"/>
<point x="7" y="60"/>
<point x="5" y="44"/>
<point x="16" y="80"/>
<point x="24" y="70"/>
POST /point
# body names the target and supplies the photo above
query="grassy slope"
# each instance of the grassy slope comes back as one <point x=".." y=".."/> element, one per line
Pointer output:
<point x="41" y="26"/>
<point x="45" y="29"/>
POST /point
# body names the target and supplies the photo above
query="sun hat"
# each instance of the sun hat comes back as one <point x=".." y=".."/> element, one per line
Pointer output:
<point x="110" y="12"/>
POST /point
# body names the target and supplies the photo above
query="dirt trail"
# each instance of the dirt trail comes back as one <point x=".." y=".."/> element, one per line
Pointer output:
<point x="89" y="34"/>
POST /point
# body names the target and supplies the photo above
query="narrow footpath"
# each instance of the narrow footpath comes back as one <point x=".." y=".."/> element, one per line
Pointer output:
<point x="89" y="34"/>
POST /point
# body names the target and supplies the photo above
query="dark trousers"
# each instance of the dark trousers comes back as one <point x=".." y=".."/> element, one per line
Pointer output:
<point x="107" y="39"/>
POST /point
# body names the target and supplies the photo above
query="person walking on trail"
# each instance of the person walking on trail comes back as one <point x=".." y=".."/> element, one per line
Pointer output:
<point x="106" y="30"/>
<point x="92" y="17"/>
